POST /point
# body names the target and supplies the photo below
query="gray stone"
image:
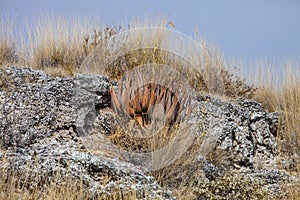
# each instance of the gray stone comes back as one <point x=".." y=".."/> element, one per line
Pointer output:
<point x="50" y="125"/>
<point x="240" y="127"/>
<point x="43" y="124"/>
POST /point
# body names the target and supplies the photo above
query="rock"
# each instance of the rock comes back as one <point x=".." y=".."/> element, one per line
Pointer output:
<point x="61" y="125"/>
<point x="42" y="122"/>
<point x="241" y="128"/>
<point x="61" y="156"/>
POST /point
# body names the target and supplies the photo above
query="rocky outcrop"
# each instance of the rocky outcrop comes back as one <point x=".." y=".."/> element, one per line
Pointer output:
<point x="60" y="125"/>
<point x="241" y="128"/>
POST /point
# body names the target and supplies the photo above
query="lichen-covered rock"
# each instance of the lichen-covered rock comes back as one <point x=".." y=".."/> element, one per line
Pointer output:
<point x="43" y="122"/>
<point x="60" y="125"/>
<point x="240" y="128"/>
<point x="63" y="156"/>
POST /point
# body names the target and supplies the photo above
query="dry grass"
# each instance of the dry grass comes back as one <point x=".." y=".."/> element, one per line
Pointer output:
<point x="60" y="47"/>
<point x="57" y="43"/>
<point x="292" y="192"/>
<point x="280" y="91"/>
<point x="13" y="187"/>
<point x="8" y="42"/>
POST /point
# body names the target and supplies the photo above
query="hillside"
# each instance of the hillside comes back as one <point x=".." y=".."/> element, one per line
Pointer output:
<point x="142" y="113"/>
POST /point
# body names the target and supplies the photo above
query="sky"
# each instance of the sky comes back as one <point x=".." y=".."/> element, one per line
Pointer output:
<point x="245" y="29"/>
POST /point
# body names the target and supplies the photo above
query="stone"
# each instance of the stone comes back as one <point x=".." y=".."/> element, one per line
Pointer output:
<point x="62" y="125"/>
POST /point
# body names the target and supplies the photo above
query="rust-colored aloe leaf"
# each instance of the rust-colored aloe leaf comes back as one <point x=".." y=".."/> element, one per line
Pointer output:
<point x="139" y="98"/>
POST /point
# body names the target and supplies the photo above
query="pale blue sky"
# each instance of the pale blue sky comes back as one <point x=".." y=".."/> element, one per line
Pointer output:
<point x="244" y="29"/>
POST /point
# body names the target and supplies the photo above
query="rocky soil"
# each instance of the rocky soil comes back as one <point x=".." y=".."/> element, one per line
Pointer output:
<point x="61" y="125"/>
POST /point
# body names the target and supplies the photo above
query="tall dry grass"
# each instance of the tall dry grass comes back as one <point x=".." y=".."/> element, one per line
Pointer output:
<point x="8" y="40"/>
<point x="279" y="91"/>
<point x="56" y="43"/>
<point x="61" y="46"/>
<point x="13" y="187"/>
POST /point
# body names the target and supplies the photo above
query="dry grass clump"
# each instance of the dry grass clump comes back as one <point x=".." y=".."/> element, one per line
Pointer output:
<point x="292" y="192"/>
<point x="13" y="189"/>
<point x="221" y="76"/>
<point x="8" y="42"/>
<point x="7" y="52"/>
<point x="289" y="102"/>
<point x="21" y="185"/>
<point x="56" y="42"/>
